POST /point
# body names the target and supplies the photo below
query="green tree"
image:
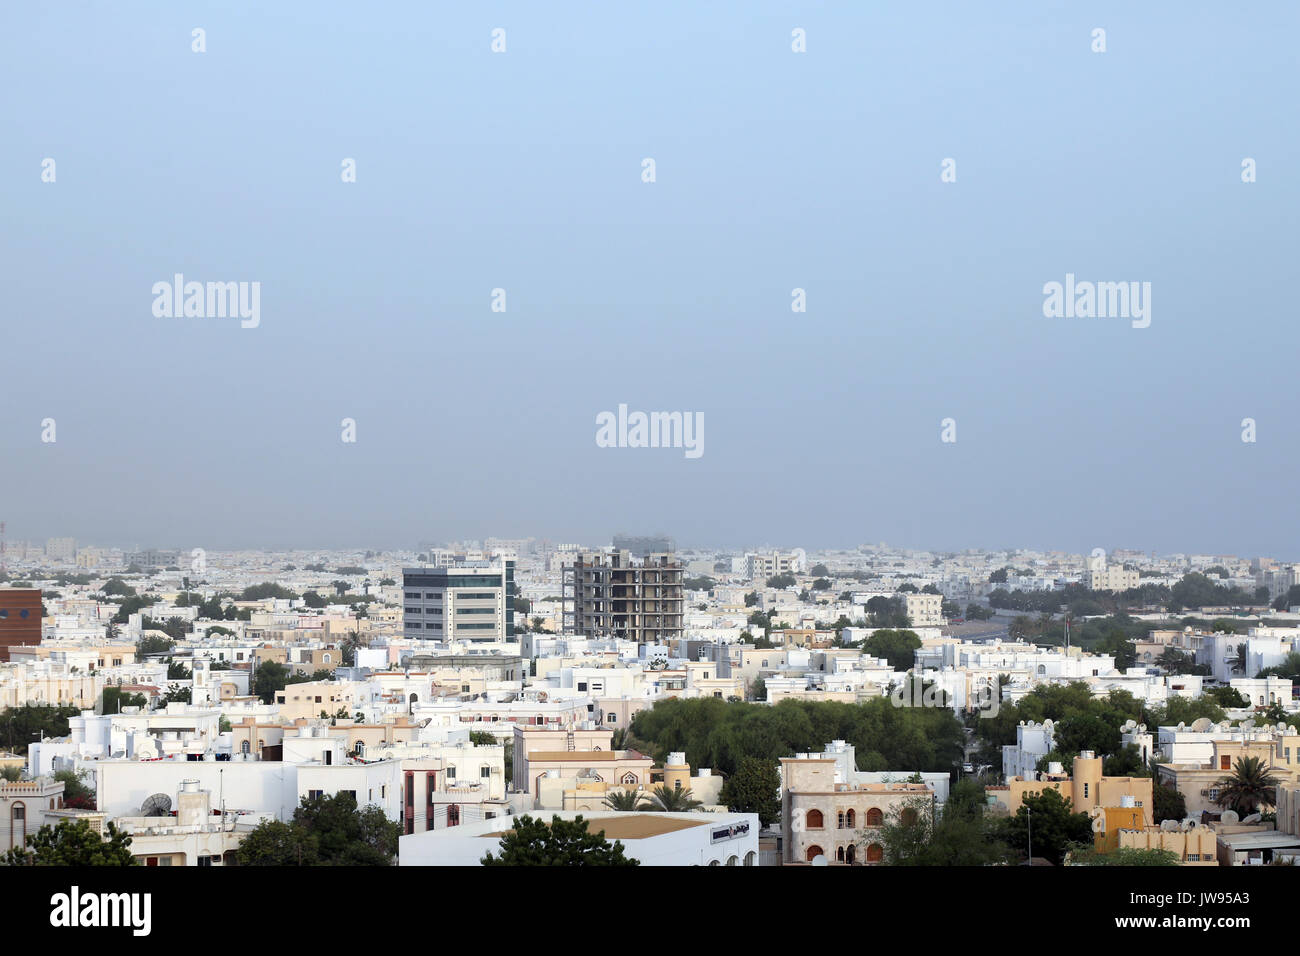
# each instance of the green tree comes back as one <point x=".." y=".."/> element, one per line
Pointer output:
<point x="73" y="843"/>
<point x="115" y="699"/>
<point x="1124" y="856"/>
<point x="269" y="678"/>
<point x="325" y="831"/>
<point x="178" y="671"/>
<point x="153" y="644"/>
<point x="897" y="647"/>
<point x="1227" y="697"/>
<point x="958" y="835"/>
<point x="672" y="800"/>
<point x="532" y="842"/>
<point x="261" y="592"/>
<point x="1052" y="824"/>
<point x="626" y="800"/>
<point x="754" y="788"/>
<point x="20" y="726"/>
<point x="1250" y="786"/>
<point x="1168" y="804"/>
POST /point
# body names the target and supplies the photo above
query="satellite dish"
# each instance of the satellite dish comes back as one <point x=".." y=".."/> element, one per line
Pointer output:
<point x="1202" y="724"/>
<point x="1229" y="817"/>
<point x="158" y="805"/>
<point x="1253" y="818"/>
<point x="1169" y="825"/>
<point x="819" y="860"/>
<point x="1189" y="824"/>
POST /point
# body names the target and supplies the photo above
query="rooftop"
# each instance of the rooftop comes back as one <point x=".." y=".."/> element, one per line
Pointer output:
<point x="632" y="826"/>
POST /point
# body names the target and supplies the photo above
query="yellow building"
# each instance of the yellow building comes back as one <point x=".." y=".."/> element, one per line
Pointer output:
<point x="1086" y="789"/>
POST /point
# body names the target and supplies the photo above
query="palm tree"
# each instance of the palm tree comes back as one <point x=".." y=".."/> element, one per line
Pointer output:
<point x="672" y="800"/>
<point x="1239" y="659"/>
<point x="626" y="800"/>
<point x="1250" y="785"/>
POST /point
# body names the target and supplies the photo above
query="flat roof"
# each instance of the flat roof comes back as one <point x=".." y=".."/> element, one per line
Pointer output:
<point x="583" y="756"/>
<point x="630" y="826"/>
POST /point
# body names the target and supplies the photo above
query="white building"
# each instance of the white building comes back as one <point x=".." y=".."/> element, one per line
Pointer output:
<point x="653" y="839"/>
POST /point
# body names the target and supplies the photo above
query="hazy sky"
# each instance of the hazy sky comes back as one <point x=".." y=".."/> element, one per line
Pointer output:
<point x="774" y="170"/>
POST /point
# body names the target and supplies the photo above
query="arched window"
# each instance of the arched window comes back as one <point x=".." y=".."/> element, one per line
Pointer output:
<point x="850" y="819"/>
<point x="732" y="860"/>
<point x="839" y="854"/>
<point x="814" y="851"/>
<point x="815" y="820"/>
<point x="851" y="855"/>
<point x="361" y="748"/>
<point x="749" y="858"/>
<point x="244" y="747"/>
<point x="453" y="815"/>
<point x="875" y="853"/>
<point x="839" y="820"/>
<point x="875" y="818"/>
<point x="629" y="777"/>
<point x="909" y="816"/>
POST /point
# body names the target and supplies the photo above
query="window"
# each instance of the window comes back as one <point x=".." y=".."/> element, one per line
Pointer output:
<point x="451" y="773"/>
<point x="484" y="772"/>
<point x="20" y="812"/>
<point x="814" y="851"/>
<point x="1085" y="791"/>
<point x="613" y="719"/>
<point x="875" y="853"/>
<point x="814" y="819"/>
<point x="875" y="818"/>
<point x="453" y="815"/>
<point x="1225" y="763"/>
<point x="313" y="794"/>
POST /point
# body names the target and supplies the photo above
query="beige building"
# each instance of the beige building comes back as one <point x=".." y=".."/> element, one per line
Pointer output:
<point x="924" y="610"/>
<point x="307" y="700"/>
<point x="1199" y="783"/>
<point x="841" y="822"/>
<point x="575" y="756"/>
<point x="48" y="683"/>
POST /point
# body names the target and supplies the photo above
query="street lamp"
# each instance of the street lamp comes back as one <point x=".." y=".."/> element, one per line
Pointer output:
<point x="1029" y="817"/>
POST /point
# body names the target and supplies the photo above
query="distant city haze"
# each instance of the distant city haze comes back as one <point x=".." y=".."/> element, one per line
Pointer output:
<point x="775" y="170"/>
